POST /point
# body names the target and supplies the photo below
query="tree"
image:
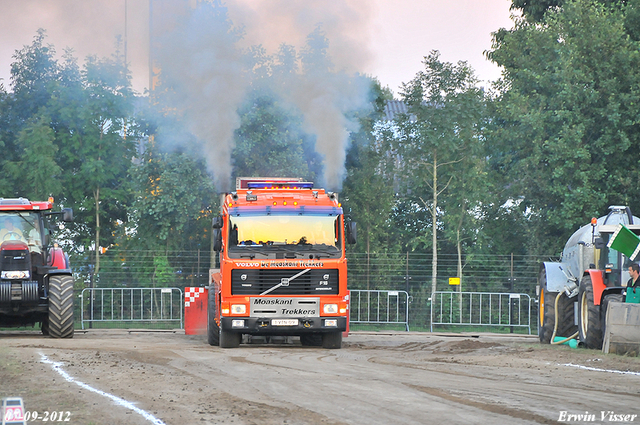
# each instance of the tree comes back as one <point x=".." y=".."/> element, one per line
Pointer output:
<point x="566" y="122"/>
<point x="270" y="140"/>
<point x="37" y="167"/>
<point x="438" y="134"/>
<point x="368" y="190"/>
<point x="97" y="150"/>
<point x="534" y="10"/>
<point x="34" y="78"/>
<point x="174" y="196"/>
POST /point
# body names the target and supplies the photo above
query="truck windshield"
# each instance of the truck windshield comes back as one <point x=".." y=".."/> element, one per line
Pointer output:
<point x="21" y="226"/>
<point x="309" y="233"/>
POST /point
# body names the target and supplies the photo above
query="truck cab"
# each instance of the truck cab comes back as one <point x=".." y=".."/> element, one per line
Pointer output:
<point x="283" y="269"/>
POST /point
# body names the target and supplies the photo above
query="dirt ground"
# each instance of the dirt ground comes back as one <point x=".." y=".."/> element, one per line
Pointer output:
<point x="121" y="377"/>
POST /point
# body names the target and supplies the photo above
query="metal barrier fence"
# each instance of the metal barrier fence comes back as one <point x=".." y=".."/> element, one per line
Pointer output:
<point x="379" y="307"/>
<point x="128" y="306"/>
<point x="481" y="309"/>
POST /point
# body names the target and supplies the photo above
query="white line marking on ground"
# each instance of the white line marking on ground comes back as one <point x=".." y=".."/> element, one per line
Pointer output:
<point x="57" y="366"/>
<point x="595" y="369"/>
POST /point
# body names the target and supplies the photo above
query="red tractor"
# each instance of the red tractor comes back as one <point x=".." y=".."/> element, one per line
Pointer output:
<point x="36" y="284"/>
<point x="575" y="291"/>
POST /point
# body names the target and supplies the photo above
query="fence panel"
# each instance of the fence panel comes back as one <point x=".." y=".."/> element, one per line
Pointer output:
<point x="125" y="307"/>
<point x="379" y="307"/>
<point x="481" y="309"/>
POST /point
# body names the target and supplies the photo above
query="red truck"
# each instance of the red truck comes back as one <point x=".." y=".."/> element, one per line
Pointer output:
<point x="283" y="270"/>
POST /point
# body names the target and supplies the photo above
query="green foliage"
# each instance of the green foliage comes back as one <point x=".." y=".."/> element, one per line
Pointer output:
<point x="98" y="149"/>
<point x="440" y="146"/>
<point x="175" y="200"/>
<point x="566" y="121"/>
<point x="163" y="273"/>
<point x="37" y="166"/>
<point x="34" y="75"/>
<point x="535" y="10"/>
<point x="270" y="140"/>
<point x="367" y="192"/>
<point x="33" y="81"/>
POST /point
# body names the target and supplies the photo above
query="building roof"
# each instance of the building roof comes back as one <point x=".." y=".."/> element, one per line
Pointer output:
<point x="393" y="108"/>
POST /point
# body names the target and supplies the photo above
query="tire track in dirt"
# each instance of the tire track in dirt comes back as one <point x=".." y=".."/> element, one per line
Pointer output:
<point x="488" y="407"/>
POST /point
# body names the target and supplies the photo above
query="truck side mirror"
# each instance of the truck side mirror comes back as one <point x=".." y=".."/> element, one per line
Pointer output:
<point x="217" y="222"/>
<point x="67" y="215"/>
<point x="599" y="243"/>
<point x="217" y="239"/>
<point x="352" y="233"/>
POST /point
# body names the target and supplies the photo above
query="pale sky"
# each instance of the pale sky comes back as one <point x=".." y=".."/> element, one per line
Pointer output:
<point x="383" y="38"/>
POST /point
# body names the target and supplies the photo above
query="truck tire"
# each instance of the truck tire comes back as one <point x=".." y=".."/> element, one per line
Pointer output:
<point x="60" y="306"/>
<point x="213" y="330"/>
<point x="604" y="306"/>
<point x="589" y="319"/>
<point x="229" y="339"/>
<point x="332" y="340"/>
<point x="311" y="340"/>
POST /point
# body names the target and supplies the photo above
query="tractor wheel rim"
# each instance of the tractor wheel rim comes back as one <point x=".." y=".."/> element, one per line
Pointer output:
<point x="584" y="314"/>
<point x="541" y="307"/>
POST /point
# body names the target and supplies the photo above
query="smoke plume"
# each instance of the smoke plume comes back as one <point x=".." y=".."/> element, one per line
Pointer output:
<point x="198" y="50"/>
<point x="202" y="62"/>
<point x="202" y="75"/>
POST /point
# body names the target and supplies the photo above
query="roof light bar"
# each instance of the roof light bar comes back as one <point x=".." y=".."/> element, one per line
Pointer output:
<point x="279" y="185"/>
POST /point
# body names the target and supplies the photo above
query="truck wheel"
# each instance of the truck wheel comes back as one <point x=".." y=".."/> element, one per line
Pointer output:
<point x="589" y="320"/>
<point x="229" y="339"/>
<point x="332" y="340"/>
<point x="61" y="307"/>
<point x="311" y="340"/>
<point x="603" y="309"/>
<point x="213" y="330"/>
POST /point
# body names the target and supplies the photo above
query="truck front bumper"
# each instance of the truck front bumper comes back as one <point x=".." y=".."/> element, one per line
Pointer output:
<point x="266" y="326"/>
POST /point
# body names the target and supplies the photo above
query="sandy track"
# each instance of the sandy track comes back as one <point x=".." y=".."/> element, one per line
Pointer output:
<point x="403" y="378"/>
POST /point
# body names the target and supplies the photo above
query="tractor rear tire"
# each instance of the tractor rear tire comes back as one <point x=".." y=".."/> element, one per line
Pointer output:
<point x="547" y="314"/>
<point x="213" y="330"/>
<point x="332" y="340"/>
<point x="60" y="307"/>
<point x="589" y="318"/>
<point x="229" y="339"/>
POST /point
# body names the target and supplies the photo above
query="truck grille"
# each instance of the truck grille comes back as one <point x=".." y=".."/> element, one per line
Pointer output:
<point x="255" y="282"/>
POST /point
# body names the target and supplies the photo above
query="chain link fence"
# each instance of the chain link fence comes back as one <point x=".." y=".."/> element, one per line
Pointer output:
<point x="412" y="273"/>
<point x="409" y="272"/>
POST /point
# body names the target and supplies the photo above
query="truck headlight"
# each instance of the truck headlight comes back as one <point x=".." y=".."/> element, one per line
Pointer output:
<point x="330" y="309"/>
<point x="15" y="274"/>
<point x="238" y="309"/>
